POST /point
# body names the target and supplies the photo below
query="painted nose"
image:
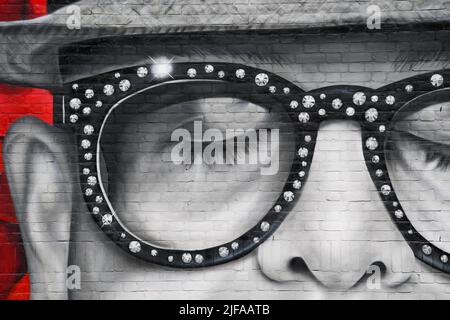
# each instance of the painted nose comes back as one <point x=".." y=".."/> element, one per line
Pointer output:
<point x="339" y="231"/>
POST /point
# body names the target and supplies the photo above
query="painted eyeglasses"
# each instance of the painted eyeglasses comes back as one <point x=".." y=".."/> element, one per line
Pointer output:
<point x="91" y="101"/>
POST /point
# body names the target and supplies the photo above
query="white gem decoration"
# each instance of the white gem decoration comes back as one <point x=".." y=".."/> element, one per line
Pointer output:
<point x="371" y="115"/>
<point x="286" y="90"/>
<point x="124" y="85"/>
<point x="75" y="103"/>
<point x="256" y="239"/>
<point x="303" y="117"/>
<point x="288" y="196"/>
<point x="265" y="226"/>
<point x="154" y="252"/>
<point x="350" y="111"/>
<point x="240" y="73"/>
<point x="293" y="104"/>
<point x="272" y="89"/>
<point x="142" y="72"/>
<point x="437" y="80"/>
<point x="426" y="249"/>
<point x="107" y="219"/>
<point x="88" y="129"/>
<point x="301" y="174"/>
<point x="75" y="86"/>
<point x="308" y="138"/>
<point x="87" y="111"/>
<point x="96" y="210"/>
<point x="99" y="199"/>
<point x="308" y="101"/>
<point x="88" y="192"/>
<point x="85" y="144"/>
<point x="371" y="143"/>
<point x="192" y="73"/>
<point x="88" y="156"/>
<point x="199" y="258"/>
<point x="323" y="96"/>
<point x="375" y="159"/>
<point x="92" y="181"/>
<point x="390" y="100"/>
<point x="209" y="68"/>
<point x="170" y="258"/>
<point x="89" y="93"/>
<point x="186" y="257"/>
<point x="379" y="173"/>
<point x="382" y="128"/>
<point x="297" y="184"/>
<point x="398" y="214"/>
<point x="221" y="74"/>
<point x="385" y="189"/>
<point x="322" y="112"/>
<point x="374" y="99"/>
<point x="224" y="252"/>
<point x="302" y="152"/>
<point x="444" y="258"/>
<point x="134" y="246"/>
<point x="98" y="104"/>
<point x="409" y="88"/>
<point x="108" y="90"/>
<point x="73" y="118"/>
<point x="277" y="208"/>
<point x="336" y="103"/>
<point x="234" y="245"/>
<point x="86" y="171"/>
<point x="261" y="79"/>
<point x="359" y="98"/>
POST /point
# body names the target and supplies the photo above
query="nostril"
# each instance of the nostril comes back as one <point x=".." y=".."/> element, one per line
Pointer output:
<point x="298" y="265"/>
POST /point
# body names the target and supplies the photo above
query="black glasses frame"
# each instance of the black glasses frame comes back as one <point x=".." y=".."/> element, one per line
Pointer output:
<point x="91" y="101"/>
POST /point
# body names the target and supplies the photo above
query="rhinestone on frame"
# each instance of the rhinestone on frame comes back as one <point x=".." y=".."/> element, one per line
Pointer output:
<point x="73" y="118"/>
<point x="186" y="257"/>
<point x="322" y="112"/>
<point x="75" y="103"/>
<point x="88" y="156"/>
<point x="323" y="96"/>
<point x="336" y="104"/>
<point x="89" y="93"/>
<point x="265" y="226"/>
<point x="410" y="231"/>
<point x="395" y="204"/>
<point x="398" y="214"/>
<point x="286" y="90"/>
<point x="297" y="184"/>
<point x="88" y="129"/>
<point x="374" y="99"/>
<point x="385" y="189"/>
<point x="86" y="171"/>
<point x="272" y="89"/>
<point x="235" y="245"/>
<point x="444" y="258"/>
<point x="409" y="88"/>
<point x="379" y="173"/>
<point x="304" y="163"/>
<point x="96" y="210"/>
<point x="303" y="117"/>
<point x="359" y="98"/>
<point x="92" y="181"/>
<point x="209" y="68"/>
<point x="88" y="192"/>
<point x="293" y="104"/>
<point x="371" y="143"/>
<point x="170" y="259"/>
<point x="107" y="219"/>
<point x="375" y="159"/>
<point x="382" y="128"/>
<point x="142" y="72"/>
<point x="134" y="246"/>
<point x="240" y="73"/>
<point x="99" y="199"/>
<point x="256" y="239"/>
<point x="85" y="144"/>
<point x="308" y="138"/>
<point x="191" y="73"/>
<point x="371" y="115"/>
<point x="261" y="79"/>
<point x="224" y="252"/>
<point x="87" y="111"/>
<point x="390" y="100"/>
<point x="123" y="235"/>
<point x="288" y="196"/>
<point x="221" y="74"/>
<point x="437" y="80"/>
<point x="199" y="258"/>
<point x="426" y="249"/>
<point x="302" y="152"/>
<point x="277" y="208"/>
<point x="154" y="252"/>
<point x="108" y="90"/>
<point x="308" y="101"/>
<point x="117" y="75"/>
<point x="98" y="104"/>
<point x="350" y="111"/>
<point x="75" y="86"/>
<point x="124" y="85"/>
<point x="301" y="174"/>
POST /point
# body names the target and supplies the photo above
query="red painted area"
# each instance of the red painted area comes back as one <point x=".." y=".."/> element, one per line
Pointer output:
<point x="16" y="102"/>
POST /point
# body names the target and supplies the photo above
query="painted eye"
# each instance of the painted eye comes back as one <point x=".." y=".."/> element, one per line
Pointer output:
<point x="418" y="161"/>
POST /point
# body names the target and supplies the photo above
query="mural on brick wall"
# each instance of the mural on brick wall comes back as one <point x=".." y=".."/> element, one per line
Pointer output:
<point x="208" y="150"/>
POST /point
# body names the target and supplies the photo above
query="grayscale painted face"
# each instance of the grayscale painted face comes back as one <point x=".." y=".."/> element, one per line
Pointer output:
<point x="337" y="242"/>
